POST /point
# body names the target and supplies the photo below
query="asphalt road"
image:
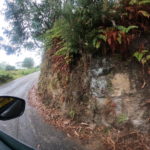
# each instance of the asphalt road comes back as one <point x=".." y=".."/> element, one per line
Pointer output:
<point x="30" y="127"/>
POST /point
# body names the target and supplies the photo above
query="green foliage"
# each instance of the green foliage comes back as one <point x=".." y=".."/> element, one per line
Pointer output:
<point x="144" y="13"/>
<point x="139" y="2"/>
<point x="5" y="77"/>
<point x="74" y="26"/>
<point x="9" y="67"/>
<point x="72" y="114"/>
<point x="29" y="20"/>
<point x="28" y="62"/>
<point x="144" y="2"/>
<point x="99" y="38"/>
<point x="119" y="38"/>
<point x="84" y="28"/>
<point x="65" y="50"/>
<point x="122" y="118"/>
<point x="78" y="26"/>
<point x="23" y="72"/>
<point x="126" y="29"/>
<point x="142" y="56"/>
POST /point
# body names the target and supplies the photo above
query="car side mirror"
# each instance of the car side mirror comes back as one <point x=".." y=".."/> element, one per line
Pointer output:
<point x="11" y="107"/>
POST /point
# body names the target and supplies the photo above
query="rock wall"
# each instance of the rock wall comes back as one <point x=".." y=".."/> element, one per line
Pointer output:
<point x="105" y="91"/>
<point x="119" y="96"/>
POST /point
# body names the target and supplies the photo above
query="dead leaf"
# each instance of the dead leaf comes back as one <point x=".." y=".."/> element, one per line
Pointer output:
<point x="68" y="135"/>
<point x="66" y="122"/>
<point x="143" y="85"/>
<point x="92" y="126"/>
<point x="75" y="132"/>
<point x="85" y="124"/>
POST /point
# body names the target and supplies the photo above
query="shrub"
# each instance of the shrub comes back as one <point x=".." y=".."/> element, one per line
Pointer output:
<point x="79" y="25"/>
<point x="9" y="67"/>
<point x="5" y="77"/>
<point x="96" y="26"/>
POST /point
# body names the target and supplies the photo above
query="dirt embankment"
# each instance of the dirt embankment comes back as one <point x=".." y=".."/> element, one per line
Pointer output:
<point x="120" y="121"/>
<point x="101" y="101"/>
<point x="92" y="136"/>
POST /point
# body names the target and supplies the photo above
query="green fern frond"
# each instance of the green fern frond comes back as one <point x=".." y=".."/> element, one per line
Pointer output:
<point x="144" y="13"/>
<point x="126" y="29"/>
<point x="144" y="2"/>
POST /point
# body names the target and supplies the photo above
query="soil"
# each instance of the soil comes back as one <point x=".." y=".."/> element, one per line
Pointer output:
<point x="92" y="136"/>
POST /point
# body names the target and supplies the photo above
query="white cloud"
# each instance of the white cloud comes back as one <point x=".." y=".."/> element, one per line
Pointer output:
<point x="13" y="59"/>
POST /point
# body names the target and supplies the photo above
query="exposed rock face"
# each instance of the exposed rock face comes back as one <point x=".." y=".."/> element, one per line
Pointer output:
<point x="118" y="96"/>
<point x="100" y="91"/>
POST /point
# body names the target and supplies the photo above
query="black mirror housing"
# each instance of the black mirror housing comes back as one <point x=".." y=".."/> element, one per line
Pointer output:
<point x="11" y="107"/>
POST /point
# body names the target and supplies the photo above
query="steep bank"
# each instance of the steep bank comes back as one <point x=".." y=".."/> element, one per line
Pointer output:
<point x="98" y="75"/>
<point x="104" y="91"/>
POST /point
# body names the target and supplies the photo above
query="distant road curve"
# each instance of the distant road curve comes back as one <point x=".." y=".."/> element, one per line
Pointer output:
<point x="31" y="128"/>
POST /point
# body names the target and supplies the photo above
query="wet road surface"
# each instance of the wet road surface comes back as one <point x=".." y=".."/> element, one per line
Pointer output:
<point x="30" y="127"/>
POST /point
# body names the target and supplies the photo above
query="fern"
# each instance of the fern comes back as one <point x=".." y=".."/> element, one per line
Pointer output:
<point x="122" y="118"/>
<point x="144" y="2"/>
<point x="96" y="43"/>
<point x="144" y="13"/>
<point x="143" y="57"/>
<point x="126" y="29"/>
<point x="65" y="50"/>
<point x="119" y="38"/>
<point x="139" y="2"/>
<point x="132" y="2"/>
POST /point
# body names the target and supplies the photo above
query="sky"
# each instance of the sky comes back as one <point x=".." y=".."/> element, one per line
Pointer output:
<point x="13" y="59"/>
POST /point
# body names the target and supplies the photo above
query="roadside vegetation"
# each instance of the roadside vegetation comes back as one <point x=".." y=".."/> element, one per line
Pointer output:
<point x="72" y="32"/>
<point x="79" y="28"/>
<point x="9" y="72"/>
<point x="8" y="75"/>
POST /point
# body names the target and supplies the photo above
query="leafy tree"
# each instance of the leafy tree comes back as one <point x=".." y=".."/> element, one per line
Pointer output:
<point x="9" y="67"/>
<point x="29" y="20"/>
<point x="78" y="24"/>
<point x="28" y="62"/>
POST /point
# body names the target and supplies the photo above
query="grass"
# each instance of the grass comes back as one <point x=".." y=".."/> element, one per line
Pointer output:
<point x="122" y="118"/>
<point x="6" y="76"/>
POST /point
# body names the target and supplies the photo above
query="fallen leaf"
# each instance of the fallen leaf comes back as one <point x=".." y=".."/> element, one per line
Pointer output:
<point x="92" y="126"/>
<point x="143" y="85"/>
<point x="68" y="135"/>
<point x="66" y="122"/>
<point x="85" y="124"/>
<point x="75" y="132"/>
